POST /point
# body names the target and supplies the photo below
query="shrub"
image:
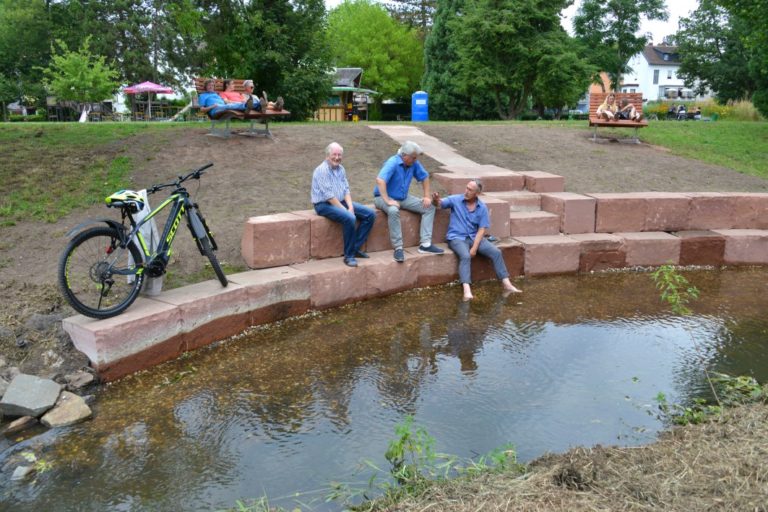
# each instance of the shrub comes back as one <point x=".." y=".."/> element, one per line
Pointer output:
<point x="16" y="118"/>
<point x="528" y="116"/>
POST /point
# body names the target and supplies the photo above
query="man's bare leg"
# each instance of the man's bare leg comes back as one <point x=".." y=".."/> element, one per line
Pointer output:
<point x="508" y="286"/>
<point x="467" y="291"/>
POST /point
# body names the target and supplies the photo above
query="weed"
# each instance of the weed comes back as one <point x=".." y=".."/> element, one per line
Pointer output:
<point x="675" y="289"/>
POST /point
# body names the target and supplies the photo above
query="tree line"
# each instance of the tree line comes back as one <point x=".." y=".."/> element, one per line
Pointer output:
<point x="478" y="59"/>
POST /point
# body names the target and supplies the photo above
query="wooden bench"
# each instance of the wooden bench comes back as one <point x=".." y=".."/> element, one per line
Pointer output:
<point x="597" y="99"/>
<point x="224" y="117"/>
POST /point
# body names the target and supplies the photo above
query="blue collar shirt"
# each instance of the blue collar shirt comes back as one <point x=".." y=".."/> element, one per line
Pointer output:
<point x="329" y="182"/>
<point x="463" y="223"/>
<point x="398" y="177"/>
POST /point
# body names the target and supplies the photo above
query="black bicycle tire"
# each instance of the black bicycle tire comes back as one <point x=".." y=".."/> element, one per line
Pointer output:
<point x="205" y="244"/>
<point x="72" y="296"/>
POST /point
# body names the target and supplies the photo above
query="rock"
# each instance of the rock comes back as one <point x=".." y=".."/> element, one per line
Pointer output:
<point x="22" y="343"/>
<point x="40" y="323"/>
<point x="5" y="332"/>
<point x="19" y="424"/>
<point x="3" y="386"/>
<point x="89" y="399"/>
<point x="78" y="380"/>
<point x="28" y="395"/>
<point x="51" y="359"/>
<point x="22" y="472"/>
<point x="69" y="410"/>
<point x="9" y="373"/>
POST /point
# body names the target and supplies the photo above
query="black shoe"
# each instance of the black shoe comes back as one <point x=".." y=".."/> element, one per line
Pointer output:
<point x="399" y="255"/>
<point x="430" y="249"/>
<point x="361" y="254"/>
<point x="279" y="103"/>
<point x="350" y="262"/>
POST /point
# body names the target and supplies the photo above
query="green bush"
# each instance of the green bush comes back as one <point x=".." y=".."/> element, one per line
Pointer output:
<point x="528" y="116"/>
<point x="16" y="118"/>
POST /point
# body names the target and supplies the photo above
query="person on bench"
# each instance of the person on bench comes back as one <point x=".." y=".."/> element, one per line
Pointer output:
<point x="332" y="199"/>
<point x="277" y="105"/>
<point x="608" y="108"/>
<point x="468" y="223"/>
<point x="212" y="103"/>
<point x="628" y="111"/>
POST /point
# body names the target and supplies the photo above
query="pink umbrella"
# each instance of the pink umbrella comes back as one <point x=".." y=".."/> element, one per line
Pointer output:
<point x="148" y="87"/>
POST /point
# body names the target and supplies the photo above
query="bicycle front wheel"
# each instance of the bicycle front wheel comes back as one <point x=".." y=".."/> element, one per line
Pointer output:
<point x="205" y="246"/>
<point x="97" y="276"/>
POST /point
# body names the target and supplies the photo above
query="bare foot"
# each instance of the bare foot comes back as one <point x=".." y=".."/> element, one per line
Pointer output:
<point x="467" y="297"/>
<point x="509" y="287"/>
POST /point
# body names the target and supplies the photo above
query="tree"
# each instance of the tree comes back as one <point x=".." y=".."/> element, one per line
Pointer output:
<point x="609" y="29"/>
<point x="362" y="34"/>
<point x="500" y="45"/>
<point x="712" y="53"/>
<point x="416" y="14"/>
<point x="446" y="100"/>
<point x="79" y="75"/>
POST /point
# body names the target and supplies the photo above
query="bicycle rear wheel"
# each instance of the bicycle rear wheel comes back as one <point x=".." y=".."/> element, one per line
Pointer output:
<point x="99" y="278"/>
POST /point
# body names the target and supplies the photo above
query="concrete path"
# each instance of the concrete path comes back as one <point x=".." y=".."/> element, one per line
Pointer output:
<point x="433" y="147"/>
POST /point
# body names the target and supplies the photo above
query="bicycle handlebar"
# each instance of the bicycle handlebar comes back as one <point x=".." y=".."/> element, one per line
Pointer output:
<point x="192" y="175"/>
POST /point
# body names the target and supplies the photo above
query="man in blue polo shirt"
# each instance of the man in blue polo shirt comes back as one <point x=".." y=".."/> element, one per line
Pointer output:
<point x="391" y="195"/>
<point x="466" y="229"/>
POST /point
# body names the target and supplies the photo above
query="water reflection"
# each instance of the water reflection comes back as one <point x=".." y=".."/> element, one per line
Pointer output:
<point x="575" y="360"/>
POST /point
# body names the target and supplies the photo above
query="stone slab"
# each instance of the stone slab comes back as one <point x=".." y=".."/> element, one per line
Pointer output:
<point x="533" y="223"/>
<point x="751" y="210"/>
<point x="209" y="312"/>
<point x="383" y="275"/>
<point x="69" y="409"/>
<point x="141" y="329"/>
<point x="711" y="210"/>
<point x="498" y="211"/>
<point x="539" y="181"/>
<point x="745" y="246"/>
<point x="665" y="211"/>
<point x="519" y="200"/>
<point x="28" y="395"/>
<point x="651" y="248"/>
<point x="332" y="283"/>
<point x="576" y="211"/>
<point x="621" y="212"/>
<point x="326" y="239"/>
<point x="433" y="270"/>
<point x="275" y="293"/>
<point x="554" y="254"/>
<point x="701" y="248"/>
<point x="600" y="251"/>
<point x="514" y="260"/>
<point x="494" y="178"/>
<point x="378" y="238"/>
<point x="275" y="240"/>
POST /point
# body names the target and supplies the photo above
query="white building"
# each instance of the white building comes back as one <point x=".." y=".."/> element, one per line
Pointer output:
<point x="654" y="73"/>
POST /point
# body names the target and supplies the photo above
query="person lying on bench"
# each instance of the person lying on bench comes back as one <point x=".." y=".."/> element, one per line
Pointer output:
<point x="608" y="109"/>
<point x="213" y="104"/>
<point x="277" y="105"/>
<point x="628" y="111"/>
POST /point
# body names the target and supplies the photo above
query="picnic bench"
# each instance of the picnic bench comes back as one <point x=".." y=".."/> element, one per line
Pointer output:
<point x="597" y="99"/>
<point x="220" y="123"/>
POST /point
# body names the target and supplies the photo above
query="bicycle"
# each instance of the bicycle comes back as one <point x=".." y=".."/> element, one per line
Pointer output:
<point x="102" y="269"/>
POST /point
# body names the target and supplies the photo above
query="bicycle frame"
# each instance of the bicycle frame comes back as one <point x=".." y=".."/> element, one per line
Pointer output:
<point x="180" y="204"/>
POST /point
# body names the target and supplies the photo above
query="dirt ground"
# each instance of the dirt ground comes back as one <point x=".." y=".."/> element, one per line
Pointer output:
<point x="256" y="176"/>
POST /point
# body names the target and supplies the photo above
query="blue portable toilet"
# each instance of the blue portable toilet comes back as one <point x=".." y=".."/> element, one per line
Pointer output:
<point x="419" y="104"/>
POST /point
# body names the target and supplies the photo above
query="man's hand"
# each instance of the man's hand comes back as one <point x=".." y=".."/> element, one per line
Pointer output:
<point x="392" y="202"/>
<point x="426" y="201"/>
<point x="435" y="199"/>
<point x="473" y="251"/>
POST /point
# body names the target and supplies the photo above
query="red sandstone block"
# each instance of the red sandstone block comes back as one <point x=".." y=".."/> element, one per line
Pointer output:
<point x="378" y="239"/>
<point x="383" y="275"/>
<point x="520" y="200"/>
<point x="701" y="248"/>
<point x="538" y="181"/>
<point x="711" y="210"/>
<point x="619" y="213"/>
<point x="555" y="254"/>
<point x="651" y="248"/>
<point x="209" y="311"/>
<point x="576" y="211"/>
<point x="600" y="251"/>
<point x="750" y="210"/>
<point x="533" y="223"/>
<point x="494" y="178"/>
<point x="514" y="260"/>
<point x="498" y="211"/>
<point x="745" y="246"/>
<point x="274" y="293"/>
<point x="326" y="239"/>
<point x="332" y="283"/>
<point x="275" y="240"/>
<point x="148" y="333"/>
<point x="666" y="211"/>
<point x="452" y="183"/>
<point x="432" y="269"/>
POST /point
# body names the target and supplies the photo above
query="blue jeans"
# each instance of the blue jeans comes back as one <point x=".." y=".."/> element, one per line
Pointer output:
<point x="353" y="238"/>
<point x="233" y="106"/>
<point x="462" y="246"/>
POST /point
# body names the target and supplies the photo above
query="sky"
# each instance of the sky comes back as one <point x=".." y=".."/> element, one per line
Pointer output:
<point x="677" y="9"/>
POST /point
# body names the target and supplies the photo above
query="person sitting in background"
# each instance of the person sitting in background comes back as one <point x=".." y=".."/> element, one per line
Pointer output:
<point x="697" y="114"/>
<point x="608" y="108"/>
<point x="212" y="104"/>
<point x="681" y="113"/>
<point x="628" y="111"/>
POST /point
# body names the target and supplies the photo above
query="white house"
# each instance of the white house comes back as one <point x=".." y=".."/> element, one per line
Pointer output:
<point x="654" y="73"/>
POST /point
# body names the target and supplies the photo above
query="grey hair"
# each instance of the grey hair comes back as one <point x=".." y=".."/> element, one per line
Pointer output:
<point x="479" y="184"/>
<point x="410" y="148"/>
<point x="332" y="145"/>
<point x="248" y="83"/>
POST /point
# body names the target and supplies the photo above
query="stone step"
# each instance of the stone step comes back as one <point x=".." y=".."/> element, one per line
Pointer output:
<point x="519" y="200"/>
<point x="533" y="223"/>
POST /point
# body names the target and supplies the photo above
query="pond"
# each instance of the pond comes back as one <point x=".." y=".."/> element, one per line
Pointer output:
<point x="287" y="409"/>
